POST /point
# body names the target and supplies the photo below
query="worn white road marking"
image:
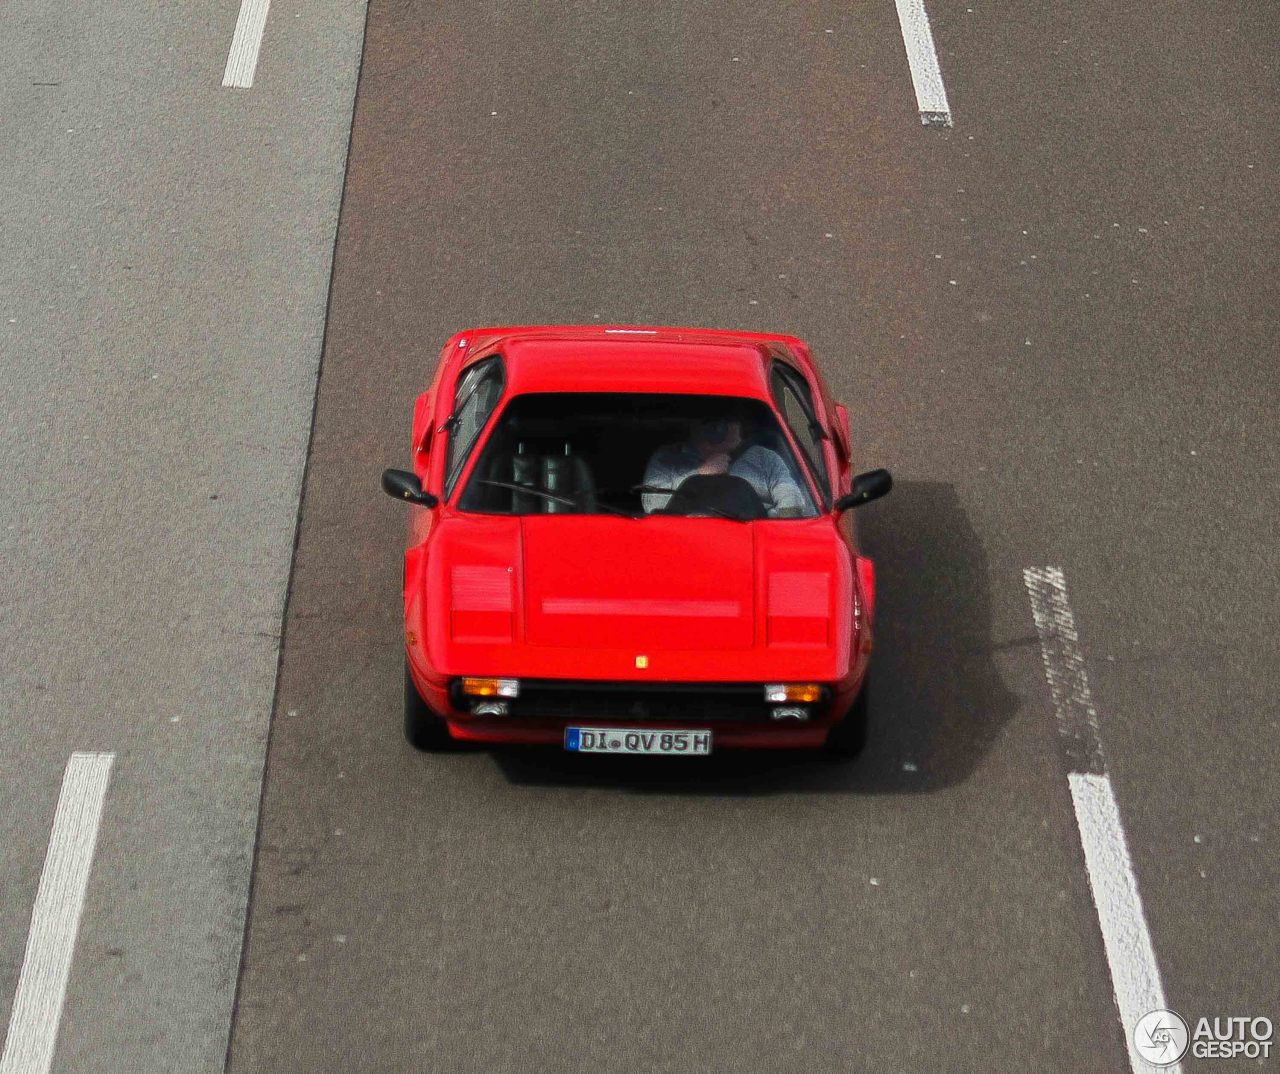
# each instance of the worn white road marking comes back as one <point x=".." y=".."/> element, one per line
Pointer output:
<point x="55" y="919"/>
<point x="242" y="61"/>
<point x="1131" y="958"/>
<point x="926" y="75"/>
<point x="1064" y="668"/>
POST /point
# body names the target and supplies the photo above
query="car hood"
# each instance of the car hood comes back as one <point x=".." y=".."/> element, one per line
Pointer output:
<point x="556" y="596"/>
<point x="638" y="584"/>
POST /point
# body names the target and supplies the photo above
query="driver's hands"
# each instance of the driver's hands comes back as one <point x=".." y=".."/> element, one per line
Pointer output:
<point x="715" y="464"/>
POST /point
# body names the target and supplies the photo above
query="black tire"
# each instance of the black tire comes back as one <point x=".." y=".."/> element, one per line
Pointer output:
<point x="849" y="736"/>
<point x="422" y="727"/>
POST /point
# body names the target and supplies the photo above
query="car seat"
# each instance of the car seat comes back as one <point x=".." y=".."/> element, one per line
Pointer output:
<point x="553" y="468"/>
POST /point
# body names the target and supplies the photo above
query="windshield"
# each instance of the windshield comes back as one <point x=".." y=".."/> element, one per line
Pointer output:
<point x="638" y="454"/>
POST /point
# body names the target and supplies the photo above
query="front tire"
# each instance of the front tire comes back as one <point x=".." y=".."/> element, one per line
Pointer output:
<point x="423" y="728"/>
<point x="849" y="736"/>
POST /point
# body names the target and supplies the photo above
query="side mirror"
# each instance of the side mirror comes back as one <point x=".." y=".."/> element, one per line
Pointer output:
<point x="866" y="487"/>
<point x="404" y="485"/>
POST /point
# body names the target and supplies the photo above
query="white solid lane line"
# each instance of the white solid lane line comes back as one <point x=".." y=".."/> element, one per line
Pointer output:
<point x="242" y="61"/>
<point x="926" y="75"/>
<point x="1131" y="958"/>
<point x="55" y="920"/>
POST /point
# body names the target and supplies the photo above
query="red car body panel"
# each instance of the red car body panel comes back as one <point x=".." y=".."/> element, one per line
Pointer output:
<point x="582" y="597"/>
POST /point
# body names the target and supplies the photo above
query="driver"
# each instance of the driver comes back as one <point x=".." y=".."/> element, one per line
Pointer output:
<point x="714" y="446"/>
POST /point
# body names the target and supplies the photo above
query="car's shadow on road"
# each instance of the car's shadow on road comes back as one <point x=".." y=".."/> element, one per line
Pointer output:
<point x="937" y="701"/>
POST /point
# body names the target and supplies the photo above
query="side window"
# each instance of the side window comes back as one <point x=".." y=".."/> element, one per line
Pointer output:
<point x="478" y="392"/>
<point x="791" y="393"/>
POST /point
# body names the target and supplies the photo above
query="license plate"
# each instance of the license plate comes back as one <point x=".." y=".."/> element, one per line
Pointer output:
<point x="624" y="740"/>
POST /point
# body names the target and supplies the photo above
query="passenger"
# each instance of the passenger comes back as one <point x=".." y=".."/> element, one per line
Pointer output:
<point x="714" y="446"/>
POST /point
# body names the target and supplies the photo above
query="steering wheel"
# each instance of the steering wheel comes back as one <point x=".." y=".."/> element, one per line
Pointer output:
<point x="723" y="495"/>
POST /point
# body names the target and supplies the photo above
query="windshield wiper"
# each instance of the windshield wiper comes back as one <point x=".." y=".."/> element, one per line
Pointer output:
<point x="552" y="496"/>
<point x="701" y="509"/>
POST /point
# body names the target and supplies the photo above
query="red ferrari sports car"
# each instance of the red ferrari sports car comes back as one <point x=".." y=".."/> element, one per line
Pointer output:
<point x="634" y="540"/>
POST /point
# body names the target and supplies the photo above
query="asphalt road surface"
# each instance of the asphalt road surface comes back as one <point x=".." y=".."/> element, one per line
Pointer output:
<point x="165" y="248"/>
<point x="1054" y="321"/>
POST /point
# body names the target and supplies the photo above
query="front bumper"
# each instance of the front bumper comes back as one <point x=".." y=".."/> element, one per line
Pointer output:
<point x="495" y="731"/>
<point x="735" y="713"/>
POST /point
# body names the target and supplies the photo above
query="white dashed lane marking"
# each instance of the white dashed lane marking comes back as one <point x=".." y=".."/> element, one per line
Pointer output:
<point x="242" y="61"/>
<point x="926" y="75"/>
<point x="1064" y="669"/>
<point x="1131" y="958"/>
<point x="1135" y="977"/>
<point x="55" y="919"/>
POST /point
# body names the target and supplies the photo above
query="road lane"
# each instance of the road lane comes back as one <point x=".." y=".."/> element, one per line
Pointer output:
<point x="164" y="263"/>
<point x="1137" y="425"/>
<point x="489" y="911"/>
<point x="1055" y="323"/>
<point x="974" y="305"/>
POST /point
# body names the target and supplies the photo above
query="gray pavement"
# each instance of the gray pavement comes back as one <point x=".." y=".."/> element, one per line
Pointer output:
<point x="1036" y="353"/>
<point x="164" y="263"/>
<point x="1054" y="322"/>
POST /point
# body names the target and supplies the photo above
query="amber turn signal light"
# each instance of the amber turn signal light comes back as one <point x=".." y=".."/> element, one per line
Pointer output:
<point x="803" y="693"/>
<point x="491" y="687"/>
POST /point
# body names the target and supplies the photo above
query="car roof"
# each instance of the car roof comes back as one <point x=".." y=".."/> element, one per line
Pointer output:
<point x="595" y="358"/>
